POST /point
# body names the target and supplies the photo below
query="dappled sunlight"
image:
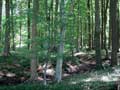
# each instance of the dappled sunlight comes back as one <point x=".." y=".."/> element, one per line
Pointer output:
<point x="103" y="77"/>
<point x="73" y="82"/>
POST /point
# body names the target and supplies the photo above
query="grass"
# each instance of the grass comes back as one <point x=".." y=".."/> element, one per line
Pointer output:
<point x="63" y="86"/>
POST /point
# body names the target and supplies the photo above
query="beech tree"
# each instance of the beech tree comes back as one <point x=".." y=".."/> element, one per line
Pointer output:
<point x="34" y="75"/>
<point x="114" y="30"/>
<point x="1" y="2"/>
<point x="97" y="34"/>
<point x="61" y="44"/>
<point x="7" y="31"/>
<point x="29" y="23"/>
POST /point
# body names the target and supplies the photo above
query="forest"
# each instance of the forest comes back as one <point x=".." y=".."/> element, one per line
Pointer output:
<point x="59" y="44"/>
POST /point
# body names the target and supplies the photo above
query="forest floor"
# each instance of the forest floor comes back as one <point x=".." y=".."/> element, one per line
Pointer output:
<point x="15" y="70"/>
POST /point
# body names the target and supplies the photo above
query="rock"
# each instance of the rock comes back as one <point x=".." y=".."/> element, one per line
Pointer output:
<point x="48" y="66"/>
<point x="10" y="75"/>
<point x="72" y="68"/>
<point x="1" y="73"/>
<point x="22" y="78"/>
<point x="83" y="68"/>
<point x="40" y="68"/>
<point x="40" y="78"/>
<point x="79" y="53"/>
<point x="1" y="77"/>
<point x="17" y="65"/>
<point x="50" y="72"/>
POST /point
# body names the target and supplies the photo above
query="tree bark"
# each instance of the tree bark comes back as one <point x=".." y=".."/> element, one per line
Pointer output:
<point x="97" y="35"/>
<point x="12" y="25"/>
<point x="7" y="31"/>
<point x="29" y="23"/>
<point x="34" y="75"/>
<point x="61" y="45"/>
<point x="1" y="2"/>
<point x="89" y="25"/>
<point x="113" y="18"/>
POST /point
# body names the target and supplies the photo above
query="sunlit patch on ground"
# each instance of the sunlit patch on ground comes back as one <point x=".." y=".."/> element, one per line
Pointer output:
<point x="103" y="77"/>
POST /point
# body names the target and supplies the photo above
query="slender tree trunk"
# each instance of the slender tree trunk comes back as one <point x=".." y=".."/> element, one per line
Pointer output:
<point x="29" y="23"/>
<point x="81" y="35"/>
<point x="104" y="6"/>
<point x="72" y="29"/>
<point x="102" y="24"/>
<point x="61" y="46"/>
<point x="118" y="26"/>
<point x="47" y="43"/>
<point x="56" y="20"/>
<point x="78" y="25"/>
<point x="105" y="23"/>
<point x="97" y="35"/>
<point x="52" y="24"/>
<point x="1" y="2"/>
<point x="34" y="74"/>
<point x="12" y="25"/>
<point x="113" y="17"/>
<point x="89" y="26"/>
<point x="7" y="31"/>
<point x="110" y="30"/>
<point x="92" y="25"/>
<point x="20" y="43"/>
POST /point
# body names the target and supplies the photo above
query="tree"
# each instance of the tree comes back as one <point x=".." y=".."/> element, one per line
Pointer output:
<point x="7" y="31"/>
<point x="12" y="24"/>
<point x="118" y="25"/>
<point x="0" y="18"/>
<point x="29" y="22"/>
<point x="34" y="75"/>
<point x="78" y="27"/>
<point x="61" y="44"/>
<point x="104" y="8"/>
<point x="97" y="35"/>
<point x="113" y="23"/>
<point x="89" y="24"/>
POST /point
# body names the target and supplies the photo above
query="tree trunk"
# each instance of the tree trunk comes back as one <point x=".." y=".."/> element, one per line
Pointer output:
<point x="1" y="2"/>
<point x="29" y="23"/>
<point x="97" y="35"/>
<point x="78" y="27"/>
<point x="56" y="21"/>
<point x="7" y="31"/>
<point x="92" y="25"/>
<point x="118" y="26"/>
<point x="113" y="18"/>
<point x="34" y="74"/>
<point x="20" y="43"/>
<point x="12" y="25"/>
<point x="61" y="46"/>
<point x="81" y="35"/>
<point x="104" y="4"/>
<point x="89" y="26"/>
